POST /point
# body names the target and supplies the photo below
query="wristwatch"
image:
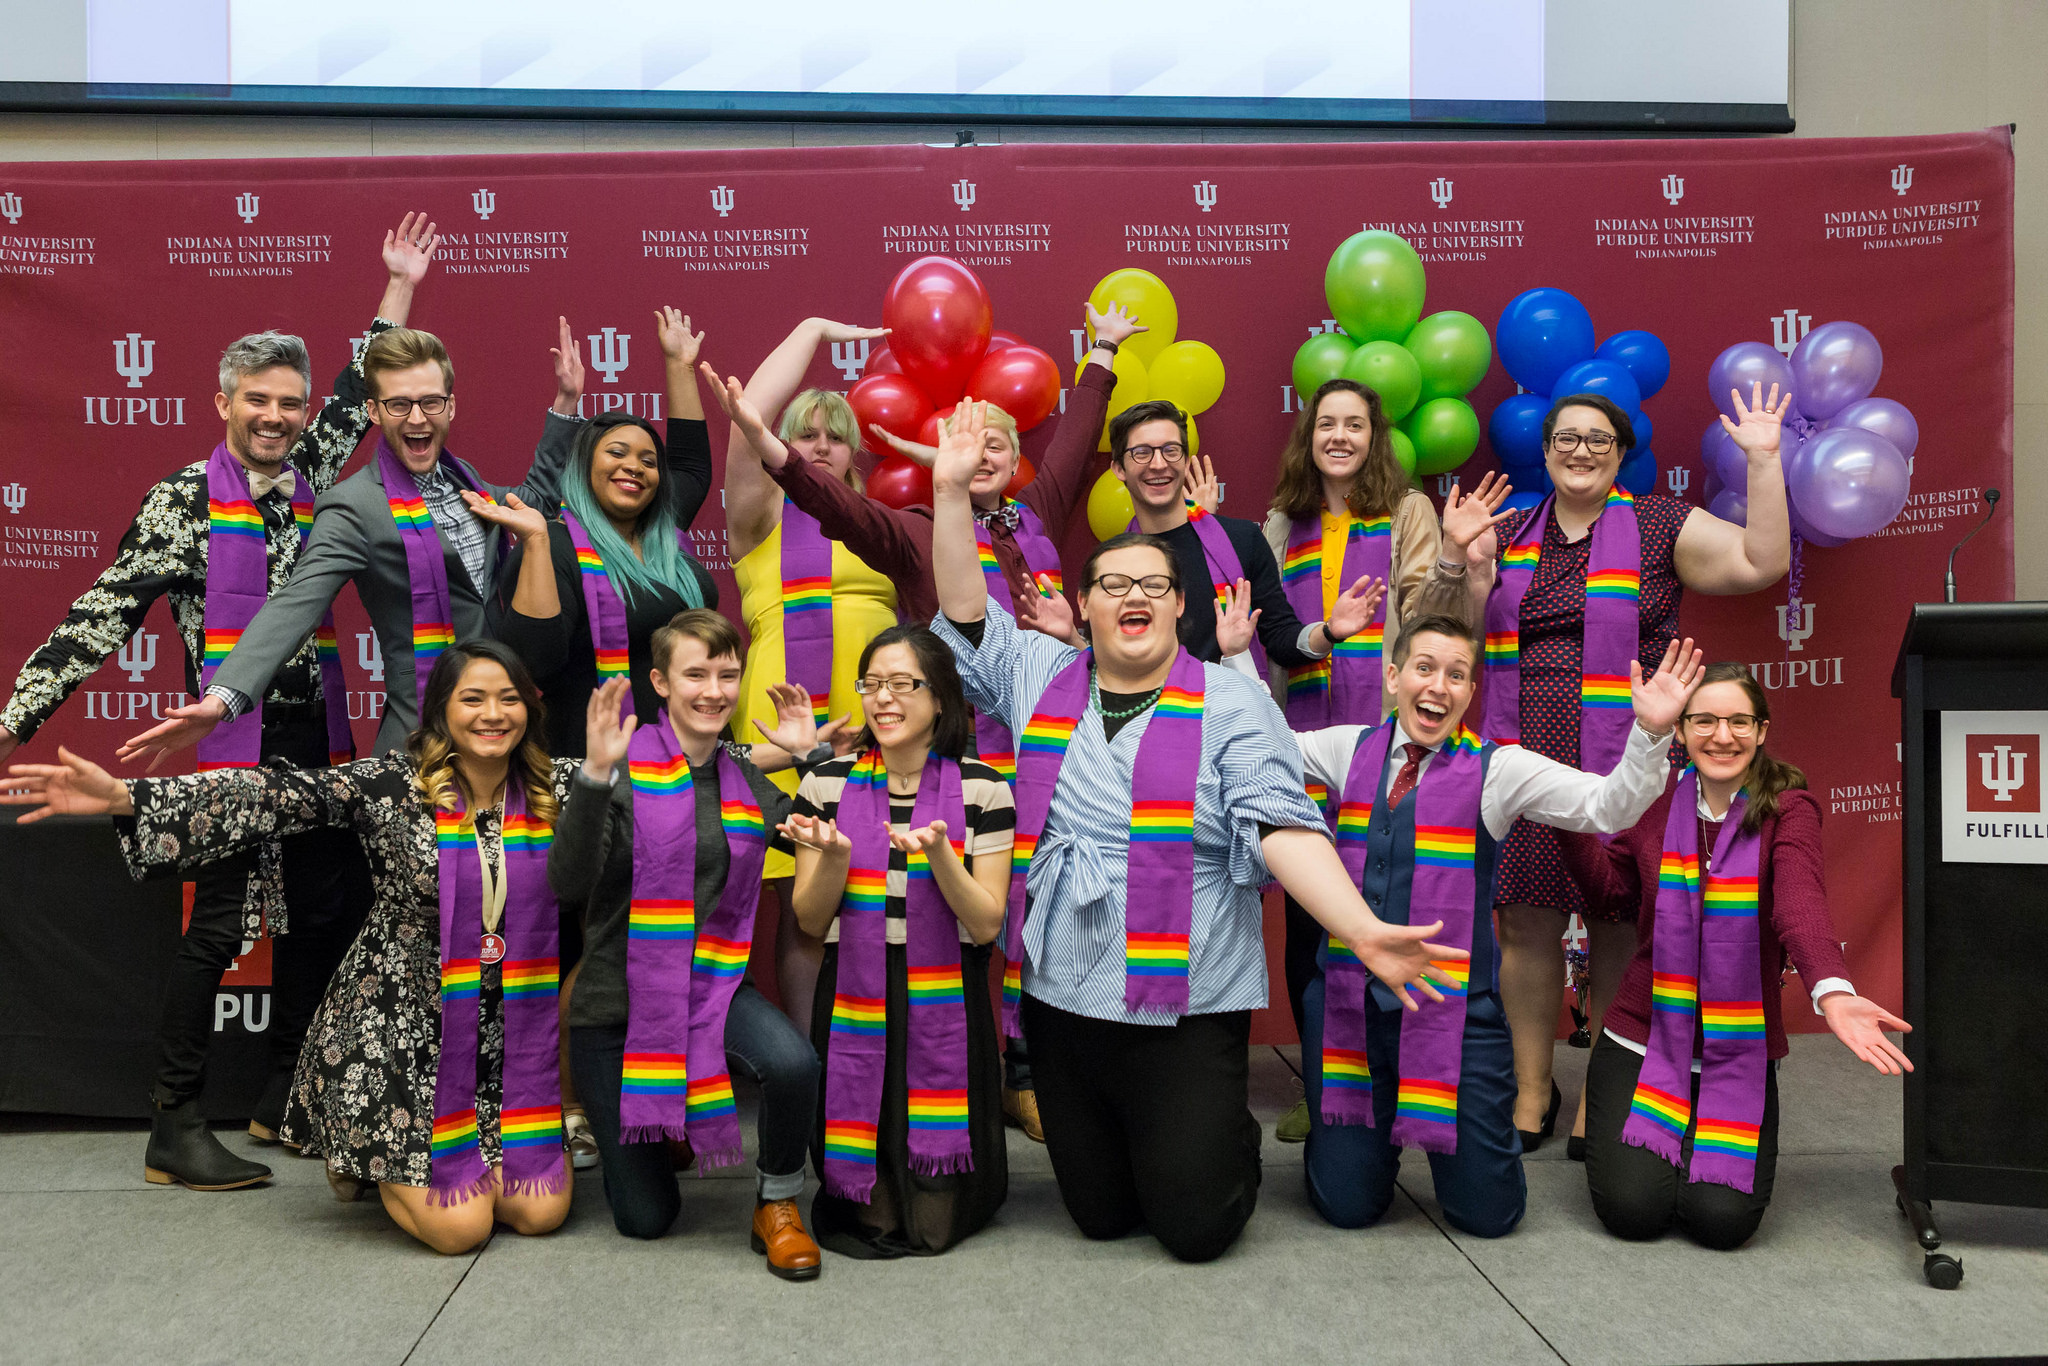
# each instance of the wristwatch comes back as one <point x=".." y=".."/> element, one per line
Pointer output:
<point x="1106" y="344"/>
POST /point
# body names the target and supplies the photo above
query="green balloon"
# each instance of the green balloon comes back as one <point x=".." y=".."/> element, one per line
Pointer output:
<point x="1404" y="450"/>
<point x="1445" y="432"/>
<point x="1453" y="350"/>
<point x="1320" y="360"/>
<point x="1374" y="284"/>
<point x="1389" y="371"/>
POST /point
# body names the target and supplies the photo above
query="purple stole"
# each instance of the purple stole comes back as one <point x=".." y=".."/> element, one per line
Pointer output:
<point x="1704" y="968"/>
<point x="604" y="609"/>
<point x="680" y="974"/>
<point x="1443" y="888"/>
<point x="1159" y="895"/>
<point x="935" y="1035"/>
<point x="807" y="607"/>
<point x="530" y="1118"/>
<point x="433" y="615"/>
<point x="1614" y="577"/>
<point x="1225" y="569"/>
<point x="237" y="586"/>
<point x="1345" y="689"/>
<point x="993" y="741"/>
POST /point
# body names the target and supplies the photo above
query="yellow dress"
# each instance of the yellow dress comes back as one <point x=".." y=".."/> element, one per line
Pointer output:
<point x="863" y="606"/>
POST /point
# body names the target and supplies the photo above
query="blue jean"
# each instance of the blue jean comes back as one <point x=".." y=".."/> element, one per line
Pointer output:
<point x="1351" y="1168"/>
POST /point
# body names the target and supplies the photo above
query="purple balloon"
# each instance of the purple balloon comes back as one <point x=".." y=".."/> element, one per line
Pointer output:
<point x="1720" y="454"/>
<point x="1742" y="365"/>
<point x="1711" y="487"/>
<point x="1835" y="365"/>
<point x="1610" y="379"/>
<point x="1730" y="506"/>
<point x="1888" y="419"/>
<point x="1848" y="482"/>
<point x="1806" y="533"/>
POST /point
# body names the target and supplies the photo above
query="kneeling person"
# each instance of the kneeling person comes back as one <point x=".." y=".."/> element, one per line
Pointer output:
<point x="1442" y="1079"/>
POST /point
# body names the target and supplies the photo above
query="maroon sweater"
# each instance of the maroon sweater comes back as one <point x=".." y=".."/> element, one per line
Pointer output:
<point x="1792" y="906"/>
<point x="897" y="543"/>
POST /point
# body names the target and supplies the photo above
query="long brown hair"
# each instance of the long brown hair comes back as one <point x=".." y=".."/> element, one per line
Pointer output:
<point x="1768" y="775"/>
<point x="1378" y="487"/>
<point x="433" y="749"/>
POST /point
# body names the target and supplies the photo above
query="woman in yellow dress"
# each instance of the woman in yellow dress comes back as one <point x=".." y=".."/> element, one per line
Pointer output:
<point x="810" y="604"/>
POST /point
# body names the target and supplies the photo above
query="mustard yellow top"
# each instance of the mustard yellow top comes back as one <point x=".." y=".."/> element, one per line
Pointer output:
<point x="1336" y="531"/>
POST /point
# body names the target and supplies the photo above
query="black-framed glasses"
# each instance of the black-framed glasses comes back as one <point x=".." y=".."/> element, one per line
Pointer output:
<point x="1598" y="443"/>
<point x="1703" y="723"/>
<point x="1120" y="585"/>
<point x="1172" y="453"/>
<point x="896" y="685"/>
<point x="433" y="405"/>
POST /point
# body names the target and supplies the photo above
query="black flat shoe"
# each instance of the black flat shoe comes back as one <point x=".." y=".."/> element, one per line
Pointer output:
<point x="1532" y="1141"/>
<point x="1575" y="1147"/>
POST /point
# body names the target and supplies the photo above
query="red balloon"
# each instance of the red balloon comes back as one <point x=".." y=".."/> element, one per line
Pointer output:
<point x="881" y="361"/>
<point x="929" y="433"/>
<point x="900" y="483"/>
<point x="939" y="319"/>
<point x="1000" y="340"/>
<point x="891" y="402"/>
<point x="1021" y="380"/>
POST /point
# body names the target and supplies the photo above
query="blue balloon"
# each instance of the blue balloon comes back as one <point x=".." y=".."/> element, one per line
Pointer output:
<point x="1639" y="423"/>
<point x="1516" y="429"/>
<point x="1523" y="498"/>
<point x="1605" y="377"/>
<point x="1639" y="472"/>
<point x="1642" y="355"/>
<point x="1543" y="333"/>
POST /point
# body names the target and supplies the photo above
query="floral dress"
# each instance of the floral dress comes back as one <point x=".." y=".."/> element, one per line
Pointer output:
<point x="363" y="1096"/>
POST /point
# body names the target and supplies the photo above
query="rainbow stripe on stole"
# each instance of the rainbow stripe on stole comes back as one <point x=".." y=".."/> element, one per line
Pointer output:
<point x="1725" y="1136"/>
<point x="1674" y="993"/>
<point x="1666" y="1111"/>
<point x="709" y="1098"/>
<point x="661" y="777"/>
<point x="537" y="1126"/>
<point x="661" y="918"/>
<point x="219" y="642"/>
<point x="850" y="1140"/>
<point x="938" y="1110"/>
<point x="1418" y="1098"/>
<point x="1607" y="691"/>
<point x="1729" y="897"/>
<point x="233" y="517"/>
<point x="526" y="977"/>
<point x="1732" y="1019"/>
<point x="935" y="986"/>
<point x="858" y="1015"/>
<point x="655" y="1074"/>
<point x="1045" y="734"/>
<point x="719" y="957"/>
<point x="610" y="663"/>
<point x="740" y="820"/>
<point x="452" y="1133"/>
<point x="460" y="978"/>
<point x="527" y="834"/>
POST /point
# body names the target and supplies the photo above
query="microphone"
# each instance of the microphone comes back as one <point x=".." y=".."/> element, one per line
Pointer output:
<point x="1991" y="497"/>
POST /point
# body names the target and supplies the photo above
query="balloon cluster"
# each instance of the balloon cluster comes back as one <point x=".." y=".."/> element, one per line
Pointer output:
<point x="1846" y="454"/>
<point x="943" y="347"/>
<point x="1546" y="345"/>
<point x="1421" y="368"/>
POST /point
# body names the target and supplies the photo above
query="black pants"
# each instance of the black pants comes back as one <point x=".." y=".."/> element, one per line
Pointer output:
<point x="327" y="893"/>
<point x="1149" y="1124"/>
<point x="1636" y="1193"/>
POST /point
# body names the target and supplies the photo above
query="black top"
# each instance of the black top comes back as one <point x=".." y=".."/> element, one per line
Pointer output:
<point x="1279" y="629"/>
<point x="559" y="649"/>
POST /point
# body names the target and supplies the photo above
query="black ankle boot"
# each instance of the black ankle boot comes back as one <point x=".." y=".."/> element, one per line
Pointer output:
<point x="183" y="1150"/>
<point x="268" y="1116"/>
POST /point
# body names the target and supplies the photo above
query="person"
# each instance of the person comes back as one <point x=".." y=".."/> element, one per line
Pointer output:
<point x="1021" y="535"/>
<point x="1140" y="767"/>
<point x="430" y="1069"/>
<point x="903" y="855"/>
<point x="216" y="538"/>
<point x="661" y="845"/>
<point x="1588" y="579"/>
<point x="417" y="530"/>
<point x="1724" y="877"/>
<point x="1343" y="508"/>
<point x="810" y="603"/>
<point x="1442" y="1080"/>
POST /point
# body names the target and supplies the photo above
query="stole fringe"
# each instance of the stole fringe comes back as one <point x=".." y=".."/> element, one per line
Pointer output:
<point x="450" y="1196"/>
<point x="942" y="1164"/>
<point x="552" y="1184"/>
<point x="1654" y="1143"/>
<point x="721" y="1157"/>
<point x="1436" y="1143"/>
<point x="653" y="1133"/>
<point x="839" y="1190"/>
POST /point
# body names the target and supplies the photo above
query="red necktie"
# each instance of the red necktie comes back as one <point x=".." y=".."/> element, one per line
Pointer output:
<point x="1404" y="781"/>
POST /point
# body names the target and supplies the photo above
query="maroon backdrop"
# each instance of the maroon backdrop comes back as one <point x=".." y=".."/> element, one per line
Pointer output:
<point x="1706" y="243"/>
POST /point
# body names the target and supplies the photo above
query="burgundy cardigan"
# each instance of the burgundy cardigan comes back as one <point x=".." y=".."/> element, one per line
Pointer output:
<point x="1792" y="906"/>
<point x="897" y="543"/>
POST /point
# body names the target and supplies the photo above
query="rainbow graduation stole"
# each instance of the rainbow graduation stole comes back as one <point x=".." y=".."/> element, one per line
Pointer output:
<point x="807" y="607"/>
<point x="530" y="1122"/>
<point x="1610" y="638"/>
<point x="1344" y="689"/>
<point x="1705" y="968"/>
<point x="935" y="1032"/>
<point x="1159" y="887"/>
<point x="996" y="746"/>
<point x="1225" y="568"/>
<point x="1444" y="886"/>
<point x="603" y="608"/>
<point x="237" y="586"/>
<point x="433" y="613"/>
<point x="681" y="973"/>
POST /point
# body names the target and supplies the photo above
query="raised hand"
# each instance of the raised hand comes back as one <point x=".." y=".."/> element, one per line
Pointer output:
<point x="844" y="332"/>
<point x="410" y="249"/>
<point x="1759" y="421"/>
<point x="930" y="840"/>
<point x="568" y="356"/>
<point x="1047" y="612"/>
<point x="186" y="726"/>
<point x="678" y="343"/>
<point x="1660" y="699"/>
<point x="1355" y="606"/>
<point x="733" y="401"/>
<point x="527" y="523"/>
<point x="1469" y="517"/>
<point x="605" y="737"/>
<point x="912" y="450"/>
<point x="1860" y="1024"/>
<point x="1202" y="485"/>
<point x="1237" y="621"/>
<point x="960" y="446"/>
<point x="1115" y="326"/>
<point x="816" y="832"/>
<point x="74" y="787"/>
<point x="1400" y="956"/>
<point x="796" y="726"/>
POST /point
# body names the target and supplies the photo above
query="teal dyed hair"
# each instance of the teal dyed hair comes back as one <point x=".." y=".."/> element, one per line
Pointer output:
<point x="661" y="563"/>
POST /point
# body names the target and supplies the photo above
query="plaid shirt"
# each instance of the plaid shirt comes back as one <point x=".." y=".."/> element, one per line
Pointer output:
<point x="469" y="535"/>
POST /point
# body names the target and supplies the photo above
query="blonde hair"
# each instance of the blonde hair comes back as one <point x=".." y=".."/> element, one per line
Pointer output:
<point x="999" y="420"/>
<point x="402" y="348"/>
<point x="840" y="424"/>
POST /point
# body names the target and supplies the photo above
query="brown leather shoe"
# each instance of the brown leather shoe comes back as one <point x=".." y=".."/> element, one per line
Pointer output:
<point x="779" y="1232"/>
<point x="1021" y="1109"/>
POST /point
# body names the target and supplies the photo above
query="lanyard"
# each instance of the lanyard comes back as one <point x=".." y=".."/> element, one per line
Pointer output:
<point x="493" y="884"/>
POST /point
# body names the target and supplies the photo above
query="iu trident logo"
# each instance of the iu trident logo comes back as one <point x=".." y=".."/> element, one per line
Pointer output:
<point x="10" y="206"/>
<point x="15" y="496"/>
<point x="370" y="655"/>
<point x="963" y="194"/>
<point x="245" y="205"/>
<point x="485" y="203"/>
<point x="138" y="656"/>
<point x="1440" y="191"/>
<point x="608" y="353"/>
<point x="721" y="200"/>
<point x="1902" y="178"/>
<point x="134" y="359"/>
<point x="1205" y="195"/>
<point x="1674" y="188"/>
<point x="1795" y="624"/>
<point x="2004" y="772"/>
<point x="851" y="357"/>
<point x="1788" y="328"/>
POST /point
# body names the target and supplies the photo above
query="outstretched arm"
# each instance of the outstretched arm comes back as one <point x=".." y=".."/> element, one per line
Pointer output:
<point x="1713" y="556"/>
<point x="1400" y="956"/>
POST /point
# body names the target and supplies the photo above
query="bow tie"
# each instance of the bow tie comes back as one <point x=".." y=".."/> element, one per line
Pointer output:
<point x="286" y="482"/>
<point x="1006" y="515"/>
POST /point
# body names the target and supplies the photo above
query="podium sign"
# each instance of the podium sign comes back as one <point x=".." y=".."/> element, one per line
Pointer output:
<point x="1991" y="787"/>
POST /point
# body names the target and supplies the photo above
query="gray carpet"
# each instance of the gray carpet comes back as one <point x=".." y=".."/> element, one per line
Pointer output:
<point x="99" y="1267"/>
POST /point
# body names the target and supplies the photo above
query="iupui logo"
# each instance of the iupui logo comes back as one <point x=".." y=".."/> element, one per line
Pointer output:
<point x="15" y="496"/>
<point x="1795" y="624"/>
<point x="10" y="206"/>
<point x="1789" y="328"/>
<point x="134" y="358"/>
<point x="1205" y="195"/>
<point x="246" y="205"/>
<point x="963" y="194"/>
<point x="485" y="203"/>
<point x="370" y="655"/>
<point x="138" y="655"/>
<point x="2004" y="773"/>
<point x="851" y="357"/>
<point x="1440" y="191"/>
<point x="1678" y="479"/>
<point x="1674" y="188"/>
<point x="1902" y="178"/>
<point x="721" y="199"/>
<point x="608" y="352"/>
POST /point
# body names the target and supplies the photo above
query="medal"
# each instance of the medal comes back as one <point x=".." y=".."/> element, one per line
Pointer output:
<point x="492" y="948"/>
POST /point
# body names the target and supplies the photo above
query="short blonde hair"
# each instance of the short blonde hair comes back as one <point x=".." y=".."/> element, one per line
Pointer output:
<point x="838" y="416"/>
<point x="402" y="348"/>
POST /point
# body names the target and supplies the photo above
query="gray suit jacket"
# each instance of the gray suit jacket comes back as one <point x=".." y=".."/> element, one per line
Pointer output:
<point x="355" y="539"/>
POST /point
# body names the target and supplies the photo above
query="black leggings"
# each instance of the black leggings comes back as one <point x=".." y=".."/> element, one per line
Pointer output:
<point x="1636" y="1193"/>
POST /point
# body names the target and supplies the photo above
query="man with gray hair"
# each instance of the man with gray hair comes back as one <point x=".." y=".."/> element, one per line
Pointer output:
<point x="217" y="538"/>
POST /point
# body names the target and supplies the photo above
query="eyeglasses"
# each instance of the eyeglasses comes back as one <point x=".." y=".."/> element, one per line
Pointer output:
<point x="1599" y="443"/>
<point x="897" y="685"/>
<point x="433" y="405"/>
<point x="1120" y="585"/>
<point x="1704" y="723"/>
<point x="1172" y="453"/>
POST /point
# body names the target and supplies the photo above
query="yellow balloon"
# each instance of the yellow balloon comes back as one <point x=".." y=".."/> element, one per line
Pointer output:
<point x="1133" y="385"/>
<point x="1109" y="507"/>
<point x="1194" y="438"/>
<point x="1149" y="301"/>
<point x="1188" y="372"/>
